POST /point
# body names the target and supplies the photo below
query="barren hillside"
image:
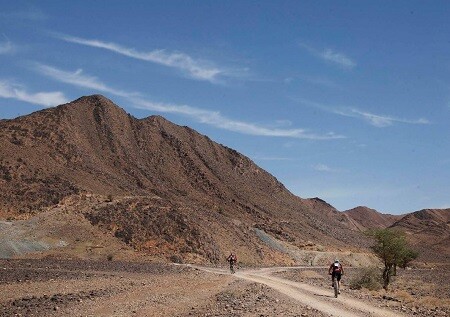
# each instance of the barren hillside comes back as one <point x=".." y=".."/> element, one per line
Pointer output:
<point x="166" y="188"/>
<point x="363" y="218"/>
<point x="429" y="232"/>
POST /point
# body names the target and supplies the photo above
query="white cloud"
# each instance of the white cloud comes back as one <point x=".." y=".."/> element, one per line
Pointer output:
<point x="330" y="56"/>
<point x="213" y="118"/>
<point x="337" y="58"/>
<point x="78" y="78"/>
<point x="322" y="168"/>
<point x="283" y="123"/>
<point x="47" y="99"/>
<point x="380" y="120"/>
<point x="217" y="120"/>
<point x="376" y="120"/>
<point x="7" y="48"/>
<point x="196" y="69"/>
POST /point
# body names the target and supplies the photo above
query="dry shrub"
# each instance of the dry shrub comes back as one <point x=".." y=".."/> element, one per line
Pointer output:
<point x="432" y="302"/>
<point x="176" y="259"/>
<point x="369" y="278"/>
<point x="403" y="296"/>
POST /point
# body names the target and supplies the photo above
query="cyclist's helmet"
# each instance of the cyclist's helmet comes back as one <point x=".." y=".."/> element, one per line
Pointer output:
<point x="336" y="261"/>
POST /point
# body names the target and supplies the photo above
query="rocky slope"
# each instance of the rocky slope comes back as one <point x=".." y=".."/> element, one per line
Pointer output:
<point x="159" y="187"/>
<point x="429" y="232"/>
<point x="364" y="218"/>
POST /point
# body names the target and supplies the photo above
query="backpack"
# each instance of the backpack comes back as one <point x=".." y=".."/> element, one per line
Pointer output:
<point x="232" y="258"/>
<point x="337" y="268"/>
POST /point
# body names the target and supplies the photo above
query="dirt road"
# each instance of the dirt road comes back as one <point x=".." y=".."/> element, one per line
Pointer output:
<point x="50" y="287"/>
<point x="316" y="297"/>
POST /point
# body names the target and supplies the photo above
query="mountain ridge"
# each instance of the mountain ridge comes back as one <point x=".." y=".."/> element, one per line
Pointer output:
<point x="159" y="187"/>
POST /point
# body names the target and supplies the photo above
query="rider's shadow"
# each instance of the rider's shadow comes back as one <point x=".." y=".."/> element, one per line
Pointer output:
<point x="321" y="295"/>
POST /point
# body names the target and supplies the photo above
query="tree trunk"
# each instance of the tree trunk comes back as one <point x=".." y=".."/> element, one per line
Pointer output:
<point x="387" y="275"/>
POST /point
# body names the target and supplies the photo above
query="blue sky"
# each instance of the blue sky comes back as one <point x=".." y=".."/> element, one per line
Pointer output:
<point x="348" y="101"/>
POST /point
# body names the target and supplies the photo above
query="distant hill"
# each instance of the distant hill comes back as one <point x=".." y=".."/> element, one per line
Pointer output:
<point x="363" y="218"/>
<point x="166" y="189"/>
<point x="429" y="232"/>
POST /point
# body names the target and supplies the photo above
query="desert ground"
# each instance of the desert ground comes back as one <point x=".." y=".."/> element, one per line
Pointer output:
<point x="70" y="287"/>
<point x="93" y="229"/>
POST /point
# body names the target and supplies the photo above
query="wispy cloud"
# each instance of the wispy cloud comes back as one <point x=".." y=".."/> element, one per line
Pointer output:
<point x="323" y="168"/>
<point x="213" y="118"/>
<point x="217" y="120"/>
<point x="47" y="99"/>
<point x="376" y="120"/>
<point x="337" y="58"/>
<point x="380" y="120"/>
<point x="78" y="78"/>
<point x="194" y="68"/>
<point x="330" y="55"/>
<point x="7" y="47"/>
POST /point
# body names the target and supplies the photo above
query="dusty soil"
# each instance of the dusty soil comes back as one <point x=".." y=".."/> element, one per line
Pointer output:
<point x="51" y="287"/>
<point x="48" y="287"/>
<point x="416" y="292"/>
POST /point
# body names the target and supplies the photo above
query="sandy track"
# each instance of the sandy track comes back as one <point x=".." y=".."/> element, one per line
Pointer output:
<point x="81" y="288"/>
<point x="309" y="295"/>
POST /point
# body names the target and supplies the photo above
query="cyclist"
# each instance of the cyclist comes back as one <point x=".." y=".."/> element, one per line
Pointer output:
<point x="336" y="270"/>
<point x="232" y="259"/>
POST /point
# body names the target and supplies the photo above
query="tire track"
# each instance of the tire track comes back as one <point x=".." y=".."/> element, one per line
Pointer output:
<point x="309" y="295"/>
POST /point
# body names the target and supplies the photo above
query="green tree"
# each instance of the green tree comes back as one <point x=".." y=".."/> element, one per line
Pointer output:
<point x="392" y="248"/>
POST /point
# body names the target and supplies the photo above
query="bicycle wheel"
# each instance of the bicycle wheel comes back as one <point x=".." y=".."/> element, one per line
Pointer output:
<point x="336" y="288"/>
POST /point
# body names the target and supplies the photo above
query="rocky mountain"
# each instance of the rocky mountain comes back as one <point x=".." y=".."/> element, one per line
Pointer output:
<point x="429" y="232"/>
<point x="159" y="187"/>
<point x="169" y="192"/>
<point x="364" y="218"/>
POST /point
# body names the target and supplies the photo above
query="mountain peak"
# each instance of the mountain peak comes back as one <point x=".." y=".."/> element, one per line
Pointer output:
<point x="94" y="99"/>
<point x="366" y="218"/>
